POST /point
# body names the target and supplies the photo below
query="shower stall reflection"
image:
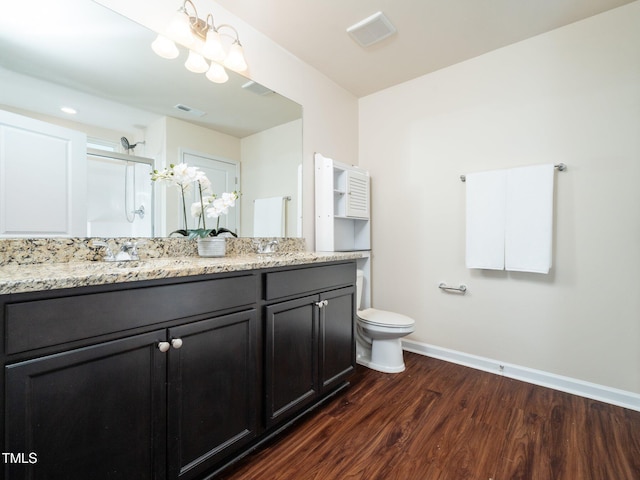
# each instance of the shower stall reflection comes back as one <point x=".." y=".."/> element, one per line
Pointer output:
<point x="119" y="195"/>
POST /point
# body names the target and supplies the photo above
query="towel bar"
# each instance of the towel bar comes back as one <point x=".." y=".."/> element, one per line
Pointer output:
<point x="561" y="168"/>
<point x="287" y="198"/>
<point x="461" y="288"/>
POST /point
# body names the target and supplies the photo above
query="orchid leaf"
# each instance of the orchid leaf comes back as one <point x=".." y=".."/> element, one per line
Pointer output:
<point x="222" y="230"/>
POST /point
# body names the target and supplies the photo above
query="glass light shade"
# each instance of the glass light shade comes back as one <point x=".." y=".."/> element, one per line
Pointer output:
<point x="217" y="73"/>
<point x="165" y="47"/>
<point x="196" y="63"/>
<point x="235" y="60"/>
<point x="180" y="28"/>
<point x="213" y="48"/>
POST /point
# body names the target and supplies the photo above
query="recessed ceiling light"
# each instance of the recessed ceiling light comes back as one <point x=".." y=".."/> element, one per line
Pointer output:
<point x="69" y="110"/>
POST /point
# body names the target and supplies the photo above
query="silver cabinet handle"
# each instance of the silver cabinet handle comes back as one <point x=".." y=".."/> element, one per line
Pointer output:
<point x="322" y="303"/>
<point x="176" y="343"/>
<point x="164" y="346"/>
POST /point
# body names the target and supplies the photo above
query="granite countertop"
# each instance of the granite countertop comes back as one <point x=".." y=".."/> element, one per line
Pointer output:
<point x="49" y="276"/>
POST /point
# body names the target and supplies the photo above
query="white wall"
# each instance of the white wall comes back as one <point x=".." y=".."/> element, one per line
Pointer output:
<point x="269" y="168"/>
<point x="572" y="96"/>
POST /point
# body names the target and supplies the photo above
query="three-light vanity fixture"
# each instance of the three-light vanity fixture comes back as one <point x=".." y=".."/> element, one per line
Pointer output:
<point x="204" y="41"/>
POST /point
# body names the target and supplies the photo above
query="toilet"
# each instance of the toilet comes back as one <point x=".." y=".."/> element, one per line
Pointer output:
<point x="378" y="334"/>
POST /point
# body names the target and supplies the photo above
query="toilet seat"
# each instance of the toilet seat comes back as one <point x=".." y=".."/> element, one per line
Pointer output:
<point x="382" y="318"/>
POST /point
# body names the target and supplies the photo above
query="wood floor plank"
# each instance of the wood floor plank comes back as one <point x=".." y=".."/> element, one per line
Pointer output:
<point x="440" y="421"/>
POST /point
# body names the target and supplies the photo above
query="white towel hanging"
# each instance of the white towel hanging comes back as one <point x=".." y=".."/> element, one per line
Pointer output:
<point x="269" y="217"/>
<point x="486" y="194"/>
<point x="529" y="219"/>
<point x="510" y="219"/>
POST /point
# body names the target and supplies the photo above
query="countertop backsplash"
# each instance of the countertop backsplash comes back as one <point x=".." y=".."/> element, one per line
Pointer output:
<point x="29" y="251"/>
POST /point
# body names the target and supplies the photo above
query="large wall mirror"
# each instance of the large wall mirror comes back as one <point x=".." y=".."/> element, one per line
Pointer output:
<point x="78" y="53"/>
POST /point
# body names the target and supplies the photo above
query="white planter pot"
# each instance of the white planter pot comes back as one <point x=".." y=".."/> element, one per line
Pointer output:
<point x="211" y="247"/>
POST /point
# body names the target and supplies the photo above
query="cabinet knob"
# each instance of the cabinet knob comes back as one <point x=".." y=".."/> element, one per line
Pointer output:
<point x="176" y="343"/>
<point x="322" y="303"/>
<point x="164" y="346"/>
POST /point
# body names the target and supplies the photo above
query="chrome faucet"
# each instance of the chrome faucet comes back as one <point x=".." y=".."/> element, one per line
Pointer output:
<point x="128" y="251"/>
<point x="109" y="256"/>
<point x="266" y="247"/>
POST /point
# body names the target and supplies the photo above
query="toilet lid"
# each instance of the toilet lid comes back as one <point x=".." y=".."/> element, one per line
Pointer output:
<point x="383" y="318"/>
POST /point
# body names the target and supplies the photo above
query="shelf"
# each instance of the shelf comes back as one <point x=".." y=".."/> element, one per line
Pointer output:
<point x="344" y="217"/>
<point x="342" y="206"/>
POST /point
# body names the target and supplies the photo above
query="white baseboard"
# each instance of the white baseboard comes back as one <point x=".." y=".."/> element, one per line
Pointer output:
<point x="594" y="391"/>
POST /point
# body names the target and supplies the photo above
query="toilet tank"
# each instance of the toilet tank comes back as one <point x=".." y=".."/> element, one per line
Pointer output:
<point x="359" y="283"/>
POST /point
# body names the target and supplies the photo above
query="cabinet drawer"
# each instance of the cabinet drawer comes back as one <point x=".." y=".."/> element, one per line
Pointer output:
<point x="42" y="323"/>
<point x="307" y="280"/>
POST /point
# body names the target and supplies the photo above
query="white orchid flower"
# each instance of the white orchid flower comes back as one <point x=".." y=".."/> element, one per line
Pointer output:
<point x="201" y="178"/>
<point x="229" y="198"/>
<point x="196" y="209"/>
<point x="209" y="206"/>
<point x="217" y="208"/>
<point x="212" y="213"/>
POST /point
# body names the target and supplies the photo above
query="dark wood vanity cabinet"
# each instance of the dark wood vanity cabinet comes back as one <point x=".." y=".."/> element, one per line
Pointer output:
<point x="151" y="380"/>
<point x="309" y="340"/>
<point x="213" y="392"/>
<point x="337" y="337"/>
<point x="106" y="401"/>
<point x="166" y="379"/>
<point x="113" y="409"/>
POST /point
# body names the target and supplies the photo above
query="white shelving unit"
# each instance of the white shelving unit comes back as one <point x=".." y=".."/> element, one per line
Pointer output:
<point x="343" y="222"/>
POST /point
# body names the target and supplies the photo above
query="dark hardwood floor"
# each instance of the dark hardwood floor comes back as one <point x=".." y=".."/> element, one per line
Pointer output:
<point x="441" y="421"/>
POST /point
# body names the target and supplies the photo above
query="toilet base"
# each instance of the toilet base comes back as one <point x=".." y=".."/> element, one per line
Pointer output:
<point x="384" y="356"/>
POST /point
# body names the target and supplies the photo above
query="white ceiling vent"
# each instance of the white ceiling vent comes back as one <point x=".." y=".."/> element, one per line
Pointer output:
<point x="255" y="87"/>
<point x="372" y="29"/>
<point x="192" y="111"/>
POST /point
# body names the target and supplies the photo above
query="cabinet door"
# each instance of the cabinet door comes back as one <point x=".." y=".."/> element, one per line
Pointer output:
<point x="291" y="352"/>
<point x="213" y="391"/>
<point x="357" y="195"/>
<point x="92" y="413"/>
<point x="337" y="341"/>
